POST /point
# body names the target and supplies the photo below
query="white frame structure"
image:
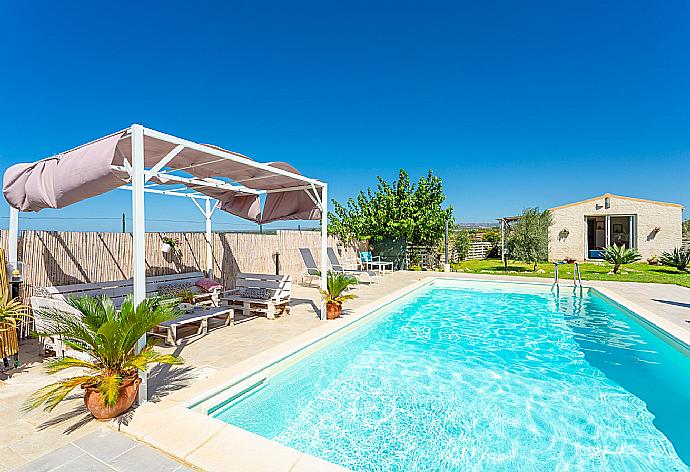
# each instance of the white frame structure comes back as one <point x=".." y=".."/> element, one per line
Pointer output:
<point x="140" y="175"/>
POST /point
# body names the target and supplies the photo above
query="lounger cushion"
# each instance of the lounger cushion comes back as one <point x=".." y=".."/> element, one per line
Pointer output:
<point x="208" y="284"/>
<point x="257" y="293"/>
<point x="174" y="289"/>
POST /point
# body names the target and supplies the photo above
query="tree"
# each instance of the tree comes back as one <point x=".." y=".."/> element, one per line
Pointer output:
<point x="460" y="241"/>
<point x="686" y="229"/>
<point x="529" y="237"/>
<point x="394" y="210"/>
<point x="492" y="236"/>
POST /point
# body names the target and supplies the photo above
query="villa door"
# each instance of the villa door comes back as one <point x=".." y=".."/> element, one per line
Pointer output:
<point x="606" y="230"/>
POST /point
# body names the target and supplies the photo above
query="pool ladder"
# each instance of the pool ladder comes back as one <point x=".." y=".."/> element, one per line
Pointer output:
<point x="577" y="278"/>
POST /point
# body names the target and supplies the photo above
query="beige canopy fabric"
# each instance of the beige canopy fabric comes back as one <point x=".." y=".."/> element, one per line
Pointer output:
<point x="64" y="179"/>
<point x="87" y="171"/>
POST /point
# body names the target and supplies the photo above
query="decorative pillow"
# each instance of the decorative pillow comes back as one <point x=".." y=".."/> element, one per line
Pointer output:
<point x="257" y="293"/>
<point x="207" y="284"/>
<point x="174" y="288"/>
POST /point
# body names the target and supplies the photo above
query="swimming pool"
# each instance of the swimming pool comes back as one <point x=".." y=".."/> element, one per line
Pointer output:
<point x="484" y="376"/>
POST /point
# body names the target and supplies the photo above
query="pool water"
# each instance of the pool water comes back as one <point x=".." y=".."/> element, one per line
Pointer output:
<point x="484" y="376"/>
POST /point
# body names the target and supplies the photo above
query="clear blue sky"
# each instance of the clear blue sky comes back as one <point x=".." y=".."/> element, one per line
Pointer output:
<point x="513" y="104"/>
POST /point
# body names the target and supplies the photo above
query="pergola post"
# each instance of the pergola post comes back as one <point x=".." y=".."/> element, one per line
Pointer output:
<point x="209" y="240"/>
<point x="139" y="237"/>
<point x="324" y="246"/>
<point x="13" y="241"/>
<point x="503" y="240"/>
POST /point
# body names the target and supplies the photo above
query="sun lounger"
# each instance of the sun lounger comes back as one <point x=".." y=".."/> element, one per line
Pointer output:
<point x="369" y="275"/>
<point x="309" y="267"/>
<point x="262" y="294"/>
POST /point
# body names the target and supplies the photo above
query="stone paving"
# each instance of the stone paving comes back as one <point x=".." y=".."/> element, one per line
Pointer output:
<point x="104" y="451"/>
<point x="69" y="430"/>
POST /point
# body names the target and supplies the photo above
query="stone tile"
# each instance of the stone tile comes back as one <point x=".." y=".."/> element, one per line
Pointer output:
<point x="146" y="419"/>
<point x="51" y="461"/>
<point x="236" y="449"/>
<point x="105" y="445"/>
<point x="185" y="433"/>
<point x="85" y="463"/>
<point x="144" y="459"/>
<point x="10" y="460"/>
<point x="309" y="463"/>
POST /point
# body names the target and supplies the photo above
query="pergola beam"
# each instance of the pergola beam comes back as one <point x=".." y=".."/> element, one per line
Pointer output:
<point x="213" y="183"/>
<point x="160" y="164"/>
<point x="227" y="155"/>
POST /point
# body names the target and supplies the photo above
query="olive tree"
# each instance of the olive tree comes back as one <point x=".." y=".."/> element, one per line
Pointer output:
<point x="528" y="240"/>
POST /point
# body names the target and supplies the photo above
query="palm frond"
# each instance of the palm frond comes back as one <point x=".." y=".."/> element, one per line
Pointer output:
<point x="109" y="387"/>
<point x="52" y="394"/>
<point x="148" y="356"/>
<point x="62" y="363"/>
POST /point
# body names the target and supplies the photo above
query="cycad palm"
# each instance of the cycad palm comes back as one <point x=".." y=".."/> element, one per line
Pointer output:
<point x="619" y="255"/>
<point x="108" y="338"/>
<point x="337" y="283"/>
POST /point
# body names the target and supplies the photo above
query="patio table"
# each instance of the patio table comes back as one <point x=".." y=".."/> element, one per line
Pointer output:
<point x="199" y="314"/>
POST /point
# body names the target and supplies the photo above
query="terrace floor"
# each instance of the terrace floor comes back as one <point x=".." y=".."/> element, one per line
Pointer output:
<point x="70" y="430"/>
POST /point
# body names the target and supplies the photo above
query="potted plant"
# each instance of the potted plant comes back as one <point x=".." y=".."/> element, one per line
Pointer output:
<point x="170" y="244"/>
<point x="337" y="283"/>
<point x="569" y="260"/>
<point x="107" y="338"/>
<point x="12" y="314"/>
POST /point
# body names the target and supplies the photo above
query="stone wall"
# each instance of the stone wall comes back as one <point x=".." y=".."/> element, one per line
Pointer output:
<point x="568" y="234"/>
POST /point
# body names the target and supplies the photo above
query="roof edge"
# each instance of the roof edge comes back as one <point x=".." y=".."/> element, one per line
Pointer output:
<point x="635" y="199"/>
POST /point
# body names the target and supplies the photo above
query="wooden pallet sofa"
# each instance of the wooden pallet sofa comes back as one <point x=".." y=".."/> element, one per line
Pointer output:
<point x="260" y="294"/>
<point x="117" y="290"/>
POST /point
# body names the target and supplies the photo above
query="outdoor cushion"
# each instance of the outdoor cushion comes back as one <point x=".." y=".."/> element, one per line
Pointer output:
<point x="173" y="289"/>
<point x="257" y="293"/>
<point x="208" y="284"/>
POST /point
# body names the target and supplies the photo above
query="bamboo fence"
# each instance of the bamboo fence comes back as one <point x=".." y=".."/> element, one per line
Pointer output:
<point x="53" y="258"/>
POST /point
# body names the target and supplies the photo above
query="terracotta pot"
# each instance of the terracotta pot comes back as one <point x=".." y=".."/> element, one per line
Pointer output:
<point x="128" y="393"/>
<point x="333" y="311"/>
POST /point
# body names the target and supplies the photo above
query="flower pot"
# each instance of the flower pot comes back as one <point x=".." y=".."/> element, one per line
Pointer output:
<point x="333" y="310"/>
<point x="166" y="248"/>
<point x="128" y="393"/>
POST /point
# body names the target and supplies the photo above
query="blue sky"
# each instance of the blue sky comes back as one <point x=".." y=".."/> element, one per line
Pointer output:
<point x="513" y="104"/>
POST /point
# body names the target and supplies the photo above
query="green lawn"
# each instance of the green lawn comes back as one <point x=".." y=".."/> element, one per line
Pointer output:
<point x="639" y="272"/>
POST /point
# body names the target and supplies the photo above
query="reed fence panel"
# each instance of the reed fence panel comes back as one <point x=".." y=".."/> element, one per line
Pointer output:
<point x="53" y="258"/>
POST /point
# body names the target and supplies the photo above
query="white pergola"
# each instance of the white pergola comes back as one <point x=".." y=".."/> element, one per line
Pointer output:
<point x="164" y="179"/>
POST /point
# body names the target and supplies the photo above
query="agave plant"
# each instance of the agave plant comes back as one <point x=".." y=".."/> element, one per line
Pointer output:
<point x="337" y="283"/>
<point x="107" y="338"/>
<point x="620" y="255"/>
<point x="678" y="258"/>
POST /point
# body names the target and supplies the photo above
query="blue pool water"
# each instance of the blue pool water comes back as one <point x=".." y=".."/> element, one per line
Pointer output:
<point x="478" y="376"/>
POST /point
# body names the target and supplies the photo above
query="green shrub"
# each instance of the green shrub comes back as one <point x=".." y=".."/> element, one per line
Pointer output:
<point x="678" y="258"/>
<point x="620" y="255"/>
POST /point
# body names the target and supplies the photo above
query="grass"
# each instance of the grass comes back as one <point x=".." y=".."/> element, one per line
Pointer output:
<point x="638" y="272"/>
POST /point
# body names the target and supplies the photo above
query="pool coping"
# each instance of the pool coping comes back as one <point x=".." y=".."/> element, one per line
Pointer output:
<point x="173" y="426"/>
